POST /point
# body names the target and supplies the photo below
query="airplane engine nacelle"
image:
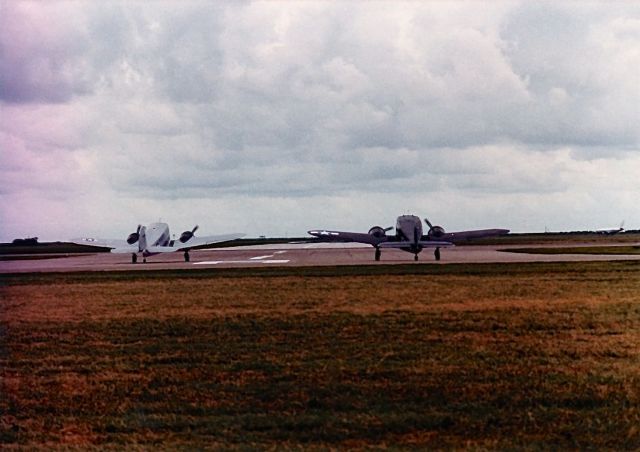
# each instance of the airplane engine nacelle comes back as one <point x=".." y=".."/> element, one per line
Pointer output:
<point x="186" y="236"/>
<point x="133" y="238"/>
<point x="377" y="232"/>
<point x="436" y="231"/>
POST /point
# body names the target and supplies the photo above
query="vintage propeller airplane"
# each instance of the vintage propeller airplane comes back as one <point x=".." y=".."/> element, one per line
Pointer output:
<point x="408" y="237"/>
<point x="155" y="239"/>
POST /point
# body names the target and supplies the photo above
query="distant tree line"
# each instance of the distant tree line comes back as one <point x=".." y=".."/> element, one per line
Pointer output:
<point x="29" y="241"/>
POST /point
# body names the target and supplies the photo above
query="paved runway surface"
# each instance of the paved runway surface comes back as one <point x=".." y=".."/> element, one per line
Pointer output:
<point x="286" y="255"/>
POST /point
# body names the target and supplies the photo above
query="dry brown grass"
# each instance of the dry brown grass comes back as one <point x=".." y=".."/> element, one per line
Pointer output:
<point x="205" y="298"/>
<point x="485" y="357"/>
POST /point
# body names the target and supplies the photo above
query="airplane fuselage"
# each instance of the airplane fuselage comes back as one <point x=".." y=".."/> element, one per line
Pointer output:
<point x="409" y="228"/>
<point x="156" y="234"/>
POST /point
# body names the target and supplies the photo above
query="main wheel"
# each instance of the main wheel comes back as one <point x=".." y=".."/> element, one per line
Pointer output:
<point x="378" y="253"/>
<point x="186" y="256"/>
<point x="415" y="257"/>
<point x="436" y="253"/>
<point x="144" y="260"/>
<point x="134" y="258"/>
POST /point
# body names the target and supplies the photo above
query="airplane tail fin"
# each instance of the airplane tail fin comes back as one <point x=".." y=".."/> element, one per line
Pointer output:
<point x="142" y="241"/>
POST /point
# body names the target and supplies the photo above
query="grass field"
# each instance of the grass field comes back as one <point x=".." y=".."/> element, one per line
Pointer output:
<point x="458" y="356"/>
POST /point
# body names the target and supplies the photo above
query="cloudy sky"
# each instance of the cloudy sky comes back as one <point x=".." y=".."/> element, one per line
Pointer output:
<point x="277" y="117"/>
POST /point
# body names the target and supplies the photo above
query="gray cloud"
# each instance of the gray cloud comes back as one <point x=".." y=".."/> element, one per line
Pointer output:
<point x="498" y="108"/>
<point x="576" y="66"/>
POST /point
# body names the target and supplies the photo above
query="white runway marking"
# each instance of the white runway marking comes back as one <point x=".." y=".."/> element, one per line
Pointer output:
<point x="264" y="261"/>
<point x="257" y="258"/>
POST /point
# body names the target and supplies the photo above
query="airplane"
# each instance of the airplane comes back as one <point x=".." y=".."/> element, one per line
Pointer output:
<point x="408" y="236"/>
<point x="611" y="231"/>
<point x="155" y="239"/>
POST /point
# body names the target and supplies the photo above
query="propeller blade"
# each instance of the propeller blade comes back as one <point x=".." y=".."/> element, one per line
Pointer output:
<point x="195" y="229"/>
<point x="138" y="229"/>
<point x="426" y="220"/>
<point x="388" y="229"/>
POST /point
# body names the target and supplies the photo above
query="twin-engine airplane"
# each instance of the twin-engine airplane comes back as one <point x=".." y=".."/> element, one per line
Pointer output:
<point x="408" y="236"/>
<point x="155" y="239"/>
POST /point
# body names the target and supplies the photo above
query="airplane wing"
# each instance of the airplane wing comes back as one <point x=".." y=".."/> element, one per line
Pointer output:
<point x="340" y="236"/>
<point x="422" y="243"/>
<point x="105" y="243"/>
<point x="196" y="241"/>
<point x="468" y="235"/>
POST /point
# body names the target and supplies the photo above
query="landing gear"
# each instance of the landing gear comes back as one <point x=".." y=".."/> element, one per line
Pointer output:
<point x="415" y="257"/>
<point x="134" y="258"/>
<point x="186" y="256"/>
<point x="378" y="253"/>
<point x="144" y="260"/>
<point x="436" y="253"/>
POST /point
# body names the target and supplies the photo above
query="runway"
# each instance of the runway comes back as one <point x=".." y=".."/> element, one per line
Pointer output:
<point x="290" y="255"/>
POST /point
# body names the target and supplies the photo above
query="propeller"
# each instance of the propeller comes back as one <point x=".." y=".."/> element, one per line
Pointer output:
<point x="187" y="235"/>
<point x="134" y="236"/>
<point x="434" y="231"/>
<point x="378" y="231"/>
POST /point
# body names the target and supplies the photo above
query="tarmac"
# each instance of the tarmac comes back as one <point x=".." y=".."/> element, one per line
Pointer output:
<point x="288" y="255"/>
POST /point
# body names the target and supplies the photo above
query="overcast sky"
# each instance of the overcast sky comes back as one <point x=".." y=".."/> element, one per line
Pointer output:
<point x="275" y="118"/>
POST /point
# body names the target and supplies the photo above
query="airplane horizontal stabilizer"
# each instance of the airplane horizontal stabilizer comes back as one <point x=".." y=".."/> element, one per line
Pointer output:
<point x="422" y="243"/>
<point x="160" y="249"/>
<point x="100" y="243"/>
<point x="125" y="250"/>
